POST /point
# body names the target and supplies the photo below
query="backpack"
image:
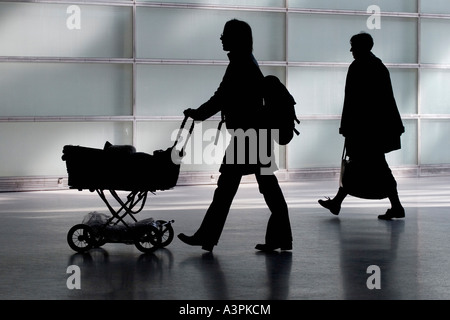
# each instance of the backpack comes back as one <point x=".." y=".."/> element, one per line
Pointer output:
<point x="278" y="110"/>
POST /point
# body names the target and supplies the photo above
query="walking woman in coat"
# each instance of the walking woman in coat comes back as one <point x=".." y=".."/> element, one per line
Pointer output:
<point x="239" y="98"/>
<point x="370" y="123"/>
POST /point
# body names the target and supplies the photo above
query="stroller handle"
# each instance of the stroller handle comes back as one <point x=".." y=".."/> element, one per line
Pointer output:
<point x="183" y="124"/>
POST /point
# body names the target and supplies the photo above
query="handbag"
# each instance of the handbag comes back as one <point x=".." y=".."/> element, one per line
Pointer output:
<point x="344" y="162"/>
<point x="364" y="178"/>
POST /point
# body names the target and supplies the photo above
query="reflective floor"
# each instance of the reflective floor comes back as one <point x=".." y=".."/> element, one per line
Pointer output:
<point x="350" y="256"/>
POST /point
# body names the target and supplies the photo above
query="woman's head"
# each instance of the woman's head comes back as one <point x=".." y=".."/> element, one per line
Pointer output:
<point x="237" y="36"/>
<point x="361" y="44"/>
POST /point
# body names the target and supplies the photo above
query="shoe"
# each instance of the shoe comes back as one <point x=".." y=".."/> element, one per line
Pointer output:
<point x="330" y="205"/>
<point x="208" y="247"/>
<point x="393" y="213"/>
<point x="271" y="247"/>
<point x="195" y="241"/>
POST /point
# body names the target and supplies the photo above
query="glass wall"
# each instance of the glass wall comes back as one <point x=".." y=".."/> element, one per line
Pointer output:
<point x="123" y="71"/>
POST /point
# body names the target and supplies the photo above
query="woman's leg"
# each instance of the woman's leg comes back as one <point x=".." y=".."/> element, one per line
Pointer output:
<point x="396" y="210"/>
<point x="334" y="205"/>
<point x="212" y="225"/>
<point x="278" y="232"/>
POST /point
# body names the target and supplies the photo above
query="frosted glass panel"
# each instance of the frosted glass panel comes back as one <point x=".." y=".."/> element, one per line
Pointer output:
<point x="317" y="90"/>
<point x="35" y="148"/>
<point x="58" y="89"/>
<point x="166" y="90"/>
<point x="163" y="90"/>
<point x="435" y="142"/>
<point x="435" y="41"/>
<point x="435" y="6"/>
<point x="326" y="38"/>
<point x="321" y="90"/>
<point x="195" y="34"/>
<point x="258" y="3"/>
<point x="155" y="135"/>
<point x="201" y="154"/>
<point x="319" y="145"/>
<point x="404" y="83"/>
<point x="362" y="5"/>
<point x="38" y="29"/>
<point x="407" y="155"/>
<point x="435" y="93"/>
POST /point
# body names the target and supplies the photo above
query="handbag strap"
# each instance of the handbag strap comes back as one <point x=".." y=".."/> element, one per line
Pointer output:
<point x="344" y="152"/>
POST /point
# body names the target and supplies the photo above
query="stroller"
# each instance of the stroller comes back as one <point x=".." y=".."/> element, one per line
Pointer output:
<point x="120" y="168"/>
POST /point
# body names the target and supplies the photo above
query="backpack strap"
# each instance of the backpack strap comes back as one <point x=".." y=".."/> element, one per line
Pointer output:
<point x="298" y="122"/>
<point x="219" y="127"/>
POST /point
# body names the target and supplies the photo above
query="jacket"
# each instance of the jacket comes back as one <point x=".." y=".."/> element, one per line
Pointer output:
<point x="239" y="99"/>
<point x="370" y="120"/>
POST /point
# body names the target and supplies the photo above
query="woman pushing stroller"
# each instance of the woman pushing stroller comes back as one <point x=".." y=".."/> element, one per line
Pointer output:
<point x="238" y="98"/>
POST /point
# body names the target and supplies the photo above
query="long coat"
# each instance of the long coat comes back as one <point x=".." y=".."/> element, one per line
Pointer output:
<point x="239" y="99"/>
<point x="370" y="121"/>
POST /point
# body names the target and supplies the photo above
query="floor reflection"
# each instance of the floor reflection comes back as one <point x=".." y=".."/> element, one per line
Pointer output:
<point x="123" y="276"/>
<point x="213" y="278"/>
<point x="278" y="266"/>
<point x="362" y="248"/>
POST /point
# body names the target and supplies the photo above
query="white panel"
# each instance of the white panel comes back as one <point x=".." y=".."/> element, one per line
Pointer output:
<point x="200" y="150"/>
<point x="317" y="90"/>
<point x="167" y="90"/>
<point x="435" y="41"/>
<point x="320" y="90"/>
<point x="258" y="3"/>
<point x="59" y="30"/>
<point x="407" y="155"/>
<point x="195" y="34"/>
<point x="65" y="89"/>
<point x="404" y="84"/>
<point x="319" y="145"/>
<point x="435" y="142"/>
<point x="435" y="94"/>
<point x="326" y="38"/>
<point x="361" y="5"/>
<point x="35" y="148"/>
<point x="435" y="6"/>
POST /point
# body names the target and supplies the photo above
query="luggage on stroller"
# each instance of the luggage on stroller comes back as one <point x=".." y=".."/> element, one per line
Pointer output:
<point x="120" y="168"/>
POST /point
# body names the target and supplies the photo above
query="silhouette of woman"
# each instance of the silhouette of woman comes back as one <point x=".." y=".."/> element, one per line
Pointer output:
<point x="239" y="98"/>
<point x="370" y="122"/>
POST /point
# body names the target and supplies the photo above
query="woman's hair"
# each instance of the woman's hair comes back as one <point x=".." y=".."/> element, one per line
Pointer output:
<point x="362" y="41"/>
<point x="239" y="34"/>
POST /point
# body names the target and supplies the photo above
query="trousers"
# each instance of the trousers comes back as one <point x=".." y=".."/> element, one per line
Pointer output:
<point x="278" y="227"/>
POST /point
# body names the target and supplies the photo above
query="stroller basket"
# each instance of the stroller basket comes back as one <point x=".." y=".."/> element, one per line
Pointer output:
<point x="116" y="169"/>
<point x="122" y="168"/>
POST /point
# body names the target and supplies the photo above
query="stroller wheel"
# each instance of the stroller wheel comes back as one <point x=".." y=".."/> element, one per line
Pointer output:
<point x="148" y="240"/>
<point x="80" y="238"/>
<point x="167" y="232"/>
